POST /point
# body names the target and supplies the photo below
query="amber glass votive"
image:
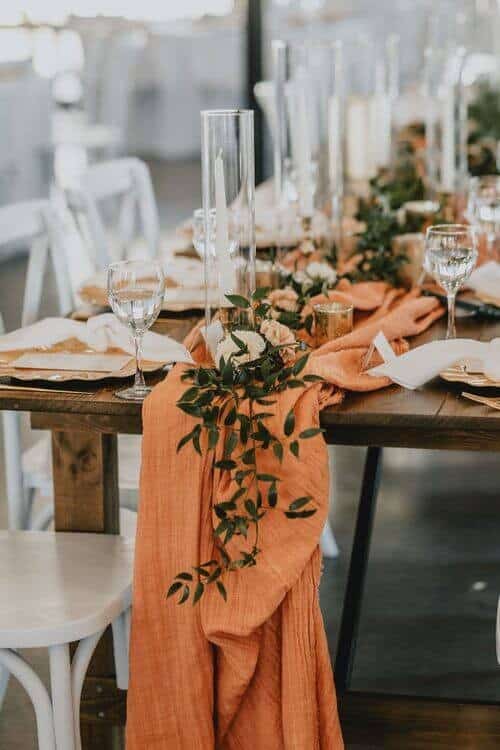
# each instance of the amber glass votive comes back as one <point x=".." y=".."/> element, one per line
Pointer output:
<point x="332" y="320"/>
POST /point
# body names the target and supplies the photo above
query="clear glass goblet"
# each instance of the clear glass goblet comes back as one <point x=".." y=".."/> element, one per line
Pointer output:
<point x="484" y="210"/>
<point x="136" y="289"/>
<point x="199" y="239"/>
<point x="450" y="256"/>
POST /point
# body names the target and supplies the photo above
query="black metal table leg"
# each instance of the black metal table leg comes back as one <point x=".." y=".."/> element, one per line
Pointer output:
<point x="351" y="610"/>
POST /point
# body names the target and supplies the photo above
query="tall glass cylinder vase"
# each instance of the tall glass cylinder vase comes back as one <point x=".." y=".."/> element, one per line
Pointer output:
<point x="446" y="143"/>
<point x="228" y="188"/>
<point x="302" y="75"/>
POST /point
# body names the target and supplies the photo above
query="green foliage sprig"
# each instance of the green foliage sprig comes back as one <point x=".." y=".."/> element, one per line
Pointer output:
<point x="232" y="402"/>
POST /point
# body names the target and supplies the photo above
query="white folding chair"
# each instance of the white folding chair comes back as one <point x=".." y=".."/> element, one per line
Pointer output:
<point x="129" y="181"/>
<point x="56" y="589"/>
<point x="31" y="223"/>
<point x="36" y="225"/>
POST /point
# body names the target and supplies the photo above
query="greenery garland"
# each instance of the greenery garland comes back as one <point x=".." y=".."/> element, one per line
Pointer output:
<point x="231" y="401"/>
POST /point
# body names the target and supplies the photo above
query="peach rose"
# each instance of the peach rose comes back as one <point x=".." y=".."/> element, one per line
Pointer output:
<point x="284" y="299"/>
<point x="279" y="335"/>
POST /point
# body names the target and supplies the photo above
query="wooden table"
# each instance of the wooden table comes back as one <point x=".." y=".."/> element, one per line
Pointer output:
<point x="85" y="463"/>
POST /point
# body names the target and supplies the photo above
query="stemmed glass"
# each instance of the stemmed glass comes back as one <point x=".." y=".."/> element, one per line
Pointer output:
<point x="199" y="239"/>
<point x="484" y="210"/>
<point x="136" y="289"/>
<point x="450" y="256"/>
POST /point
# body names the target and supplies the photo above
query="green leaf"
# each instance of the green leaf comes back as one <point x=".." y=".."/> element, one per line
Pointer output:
<point x="186" y="439"/>
<point x="231" y="443"/>
<point x="293" y="383"/>
<point x="198" y="593"/>
<point x="184" y="576"/>
<point x="300" y="502"/>
<point x="289" y="424"/>
<point x="222" y="590"/>
<point x="310" y="432"/>
<point x="238" y="301"/>
<point x="300" y="514"/>
<point x="213" y="576"/>
<point x="278" y="451"/>
<point x="190" y="394"/>
<point x="225" y="464"/>
<point x="314" y="379"/>
<point x="242" y="347"/>
<point x="248" y="457"/>
<point x="185" y="595"/>
<point x="239" y="493"/>
<point x="267" y="478"/>
<point x="294" y="448"/>
<point x="251" y="508"/>
<point x="196" y="442"/>
<point x="272" y="496"/>
<point x="173" y="588"/>
<point x="231" y="417"/>
<point x="300" y="364"/>
<point x="213" y="438"/>
<point x="227" y="374"/>
<point x="261" y="293"/>
<point x="191" y="409"/>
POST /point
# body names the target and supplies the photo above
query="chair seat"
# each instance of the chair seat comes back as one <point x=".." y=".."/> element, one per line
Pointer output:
<point x="57" y="587"/>
<point x="37" y="463"/>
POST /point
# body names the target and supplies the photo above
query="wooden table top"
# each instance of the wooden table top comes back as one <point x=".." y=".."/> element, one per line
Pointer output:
<point x="434" y="417"/>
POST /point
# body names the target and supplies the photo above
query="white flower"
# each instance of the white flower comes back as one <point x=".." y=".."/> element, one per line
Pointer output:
<point x="227" y="347"/>
<point x="302" y="279"/>
<point x="321" y="272"/>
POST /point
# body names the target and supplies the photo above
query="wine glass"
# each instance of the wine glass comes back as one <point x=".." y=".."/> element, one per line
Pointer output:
<point x="136" y="289"/>
<point x="199" y="239"/>
<point x="450" y="256"/>
<point x="484" y="210"/>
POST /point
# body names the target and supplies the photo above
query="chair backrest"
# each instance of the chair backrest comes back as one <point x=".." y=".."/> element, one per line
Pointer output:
<point x="129" y="181"/>
<point x="34" y="224"/>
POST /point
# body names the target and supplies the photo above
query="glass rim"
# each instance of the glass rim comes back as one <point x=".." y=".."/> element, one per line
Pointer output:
<point x="449" y="229"/>
<point x="333" y="307"/>
<point x="134" y="262"/>
<point x="240" y="111"/>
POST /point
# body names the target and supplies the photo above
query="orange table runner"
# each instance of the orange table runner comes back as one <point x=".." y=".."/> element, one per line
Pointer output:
<point x="253" y="673"/>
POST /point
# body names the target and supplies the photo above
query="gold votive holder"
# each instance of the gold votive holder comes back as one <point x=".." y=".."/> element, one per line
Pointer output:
<point x="267" y="275"/>
<point x="233" y="318"/>
<point x="331" y="321"/>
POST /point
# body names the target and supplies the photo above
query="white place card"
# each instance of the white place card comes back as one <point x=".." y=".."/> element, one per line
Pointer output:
<point x="72" y="362"/>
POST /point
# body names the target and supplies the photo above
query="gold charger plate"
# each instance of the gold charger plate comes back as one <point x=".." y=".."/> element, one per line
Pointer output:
<point x="92" y="294"/>
<point x="457" y="374"/>
<point x="69" y="346"/>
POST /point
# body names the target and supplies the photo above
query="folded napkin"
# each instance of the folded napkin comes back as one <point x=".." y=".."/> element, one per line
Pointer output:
<point x="415" y="368"/>
<point x="100" y="333"/>
<point x="485" y="280"/>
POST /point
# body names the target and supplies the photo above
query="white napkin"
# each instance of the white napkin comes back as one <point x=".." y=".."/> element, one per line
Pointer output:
<point x="486" y="280"/>
<point x="491" y="364"/>
<point x="418" y="366"/>
<point x="99" y="333"/>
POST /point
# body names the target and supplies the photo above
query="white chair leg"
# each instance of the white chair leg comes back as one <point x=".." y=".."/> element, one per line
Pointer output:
<point x="62" y="701"/>
<point x="328" y="543"/>
<point x="42" y="520"/>
<point x="16" y="500"/>
<point x="38" y="694"/>
<point x="121" y="649"/>
<point x="4" y="683"/>
<point x="79" y="666"/>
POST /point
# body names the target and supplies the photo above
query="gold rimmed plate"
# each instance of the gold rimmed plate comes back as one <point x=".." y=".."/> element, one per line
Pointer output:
<point x="69" y="347"/>
<point x="460" y="374"/>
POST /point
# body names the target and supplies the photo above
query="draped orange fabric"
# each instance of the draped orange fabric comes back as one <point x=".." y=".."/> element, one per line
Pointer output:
<point x="253" y="673"/>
